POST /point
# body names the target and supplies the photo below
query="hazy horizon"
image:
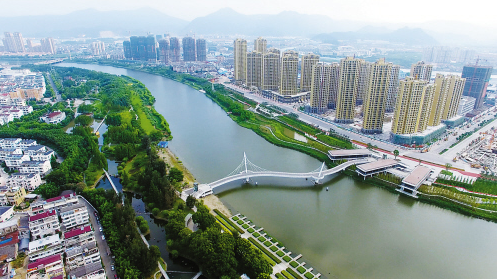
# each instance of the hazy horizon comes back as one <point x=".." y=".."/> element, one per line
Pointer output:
<point x="380" y="11"/>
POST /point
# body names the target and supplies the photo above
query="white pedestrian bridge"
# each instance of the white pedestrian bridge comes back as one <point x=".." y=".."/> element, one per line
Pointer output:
<point x="247" y="170"/>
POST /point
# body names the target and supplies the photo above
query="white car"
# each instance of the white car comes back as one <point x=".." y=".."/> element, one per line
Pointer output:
<point x="103" y="237"/>
<point x="100" y="229"/>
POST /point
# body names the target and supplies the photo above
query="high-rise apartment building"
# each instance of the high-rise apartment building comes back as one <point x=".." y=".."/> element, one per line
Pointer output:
<point x="437" y="54"/>
<point x="174" y="48"/>
<point x="477" y="78"/>
<point x="413" y="106"/>
<point x="271" y="70"/>
<point x="97" y="48"/>
<point x="376" y="97"/>
<point x="189" y="52"/>
<point x="350" y="68"/>
<point x="289" y="73"/>
<point x="321" y="87"/>
<point x="363" y="85"/>
<point x="308" y="61"/>
<point x="201" y="50"/>
<point x="127" y="50"/>
<point x="455" y="89"/>
<point x="421" y="71"/>
<point x="48" y="45"/>
<point x="240" y="60"/>
<point x="260" y="45"/>
<point x="164" y="51"/>
<point x="254" y="69"/>
<point x="393" y="88"/>
<point x="142" y="48"/>
<point x="334" y="85"/>
<point x="14" y="42"/>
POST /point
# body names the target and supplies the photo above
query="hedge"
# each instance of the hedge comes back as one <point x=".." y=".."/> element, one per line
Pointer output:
<point x="267" y="243"/>
<point x="293" y="273"/>
<point x="280" y="253"/>
<point x="264" y="250"/>
<point x="234" y="218"/>
<point x="256" y="234"/>
<point x="294" y="264"/>
<point x="250" y="230"/>
<point x="286" y="274"/>
<point x="301" y="269"/>
<point x="273" y="248"/>
<point x="224" y="223"/>
<point x="262" y="239"/>
<point x="240" y="222"/>
<point x="228" y="221"/>
<point x="309" y="275"/>
<point x="245" y="226"/>
<point x="279" y="276"/>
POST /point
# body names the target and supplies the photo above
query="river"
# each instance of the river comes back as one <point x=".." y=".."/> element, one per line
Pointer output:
<point x="354" y="230"/>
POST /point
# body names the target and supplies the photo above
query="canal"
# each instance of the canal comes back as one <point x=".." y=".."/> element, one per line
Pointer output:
<point x="354" y="230"/>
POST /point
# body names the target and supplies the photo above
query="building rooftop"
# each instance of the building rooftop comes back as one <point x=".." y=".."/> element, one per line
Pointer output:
<point x="49" y="240"/>
<point x="45" y="261"/>
<point x="417" y="176"/>
<point x="39" y="216"/>
<point x="79" y="249"/>
<point x="377" y="165"/>
<point x="9" y="239"/>
<point x="77" y="232"/>
<point x="9" y="223"/>
<point x="4" y="209"/>
<point x="53" y="114"/>
<point x="61" y="197"/>
<point x="350" y="152"/>
<point x="71" y="207"/>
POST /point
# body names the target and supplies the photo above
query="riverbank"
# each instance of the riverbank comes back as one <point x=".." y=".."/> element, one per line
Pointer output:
<point x="172" y="160"/>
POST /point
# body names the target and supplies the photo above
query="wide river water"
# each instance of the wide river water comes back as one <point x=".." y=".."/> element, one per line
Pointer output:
<point x="354" y="230"/>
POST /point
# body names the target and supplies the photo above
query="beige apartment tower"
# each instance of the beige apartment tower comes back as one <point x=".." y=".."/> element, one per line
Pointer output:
<point x="413" y="106"/>
<point x="254" y="69"/>
<point x="421" y="71"/>
<point x="363" y="85"/>
<point x="439" y="99"/>
<point x="260" y="45"/>
<point x="289" y="73"/>
<point x="240" y="60"/>
<point x="455" y="89"/>
<point x="393" y="89"/>
<point x="321" y="87"/>
<point x="308" y="61"/>
<point x="350" y="68"/>
<point x="271" y="70"/>
<point x="376" y="97"/>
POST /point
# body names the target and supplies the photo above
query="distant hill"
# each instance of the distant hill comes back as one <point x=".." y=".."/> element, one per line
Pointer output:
<point x="228" y="22"/>
<point x="410" y="36"/>
<point x="91" y="22"/>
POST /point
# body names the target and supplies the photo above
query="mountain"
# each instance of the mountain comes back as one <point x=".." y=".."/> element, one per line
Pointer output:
<point x="91" y="22"/>
<point x="409" y="36"/>
<point x="228" y="22"/>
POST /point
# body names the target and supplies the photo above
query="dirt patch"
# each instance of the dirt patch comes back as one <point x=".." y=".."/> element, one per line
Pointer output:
<point x="213" y="202"/>
<point x="168" y="156"/>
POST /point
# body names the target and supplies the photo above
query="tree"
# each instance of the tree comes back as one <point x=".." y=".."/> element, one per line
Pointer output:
<point x="396" y="153"/>
<point x="190" y="201"/>
<point x="448" y="166"/>
<point x="370" y="146"/>
<point x="175" y="174"/>
<point x="84" y="120"/>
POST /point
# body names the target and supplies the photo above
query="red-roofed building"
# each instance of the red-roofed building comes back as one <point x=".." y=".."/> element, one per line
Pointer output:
<point x="54" y="203"/>
<point x="79" y="236"/>
<point x="45" y="223"/>
<point x="54" y="117"/>
<point x="51" y="266"/>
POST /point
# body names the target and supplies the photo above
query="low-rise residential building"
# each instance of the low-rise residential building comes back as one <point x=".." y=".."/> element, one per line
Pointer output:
<point x="3" y="196"/>
<point x="9" y="227"/>
<point x="44" y="223"/>
<point x="41" y="167"/>
<point x="75" y="215"/>
<point x="79" y="236"/>
<point x="26" y="143"/>
<point x="45" y="247"/>
<point x="4" y="153"/>
<point x="48" y="267"/>
<point x="6" y="213"/>
<point x="43" y="156"/>
<point x="16" y="160"/>
<point x="54" y="203"/>
<point x="29" y="181"/>
<point x="34" y="149"/>
<point x="77" y="256"/>
<point x="90" y="271"/>
<point x="10" y="142"/>
<point x="15" y="195"/>
<point x="54" y="117"/>
<point x="8" y="246"/>
<point x="6" y="118"/>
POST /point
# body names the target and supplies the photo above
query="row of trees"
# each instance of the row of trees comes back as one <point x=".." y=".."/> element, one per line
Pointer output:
<point x="219" y="254"/>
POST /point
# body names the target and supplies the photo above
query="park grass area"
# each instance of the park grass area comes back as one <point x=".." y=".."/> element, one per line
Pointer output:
<point x="301" y="269"/>
<point x="294" y="264"/>
<point x="145" y="122"/>
<point x="264" y="250"/>
<point x="280" y="253"/>
<point x="227" y="220"/>
<point x="293" y="273"/>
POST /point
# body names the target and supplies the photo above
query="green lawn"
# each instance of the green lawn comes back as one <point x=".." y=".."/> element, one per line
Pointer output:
<point x="145" y="123"/>
<point x="239" y="222"/>
<point x="309" y="275"/>
<point x="273" y="248"/>
<point x="235" y="218"/>
<point x="301" y="269"/>
<point x="294" y="264"/>
<point x="262" y="239"/>
<point x="256" y="234"/>
<point x="280" y="253"/>
<point x="267" y="243"/>
<point x="245" y="226"/>
<point x="250" y="230"/>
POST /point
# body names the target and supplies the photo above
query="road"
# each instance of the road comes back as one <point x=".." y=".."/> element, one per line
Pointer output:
<point x="57" y="94"/>
<point x="102" y="244"/>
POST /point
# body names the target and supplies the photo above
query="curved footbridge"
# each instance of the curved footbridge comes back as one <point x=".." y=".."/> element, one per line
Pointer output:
<point x="247" y="170"/>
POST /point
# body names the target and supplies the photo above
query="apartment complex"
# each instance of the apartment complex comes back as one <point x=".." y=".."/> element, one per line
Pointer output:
<point x="306" y="78"/>
<point x="44" y="223"/>
<point x="260" y="45"/>
<point x="254" y="69"/>
<point x="164" y="51"/>
<point x="240" y="60"/>
<point x="22" y="84"/>
<point x="45" y="247"/>
<point x="174" y="49"/>
<point x="271" y="68"/>
<point x="323" y="86"/>
<point x="393" y="89"/>
<point x="140" y="48"/>
<point x="201" y="47"/>
<point x="421" y="71"/>
<point x="97" y="48"/>
<point x="74" y="216"/>
<point x="289" y="73"/>
<point x="350" y="68"/>
<point x="376" y="97"/>
<point x="49" y="267"/>
<point x="13" y="42"/>
<point x="363" y="84"/>
<point x="189" y="51"/>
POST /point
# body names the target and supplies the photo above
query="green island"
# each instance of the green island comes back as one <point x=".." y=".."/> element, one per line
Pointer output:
<point x="273" y="130"/>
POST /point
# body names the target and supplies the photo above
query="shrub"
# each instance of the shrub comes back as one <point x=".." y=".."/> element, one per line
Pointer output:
<point x="262" y="239"/>
<point x="174" y="254"/>
<point x="293" y="273"/>
<point x="239" y="222"/>
<point x="280" y="253"/>
<point x="256" y="234"/>
<point x="273" y="248"/>
<point x="267" y="243"/>
<point x="309" y="275"/>
<point x="245" y="226"/>
<point x="301" y="269"/>
<point x="155" y="211"/>
<point x="144" y="227"/>
<point x="250" y="230"/>
<point x="294" y="264"/>
<point x="235" y="218"/>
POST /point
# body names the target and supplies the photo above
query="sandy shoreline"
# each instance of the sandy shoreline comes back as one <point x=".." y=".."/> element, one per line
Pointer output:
<point x="212" y="201"/>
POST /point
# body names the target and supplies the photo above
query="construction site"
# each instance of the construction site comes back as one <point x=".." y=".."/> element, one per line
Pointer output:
<point x="481" y="153"/>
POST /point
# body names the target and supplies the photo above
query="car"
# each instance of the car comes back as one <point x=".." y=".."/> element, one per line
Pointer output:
<point x="112" y="267"/>
<point x="115" y="276"/>
<point x="100" y="229"/>
<point x="95" y="213"/>
<point x="103" y="237"/>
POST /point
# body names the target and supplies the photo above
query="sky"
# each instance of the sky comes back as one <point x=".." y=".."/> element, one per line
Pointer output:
<point x="479" y="12"/>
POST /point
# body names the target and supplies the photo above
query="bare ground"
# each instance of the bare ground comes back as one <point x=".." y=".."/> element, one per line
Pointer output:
<point x="213" y="202"/>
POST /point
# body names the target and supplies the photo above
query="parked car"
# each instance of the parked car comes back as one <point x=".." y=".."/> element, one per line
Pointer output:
<point x="100" y="229"/>
<point x="112" y="267"/>
<point x="103" y="237"/>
